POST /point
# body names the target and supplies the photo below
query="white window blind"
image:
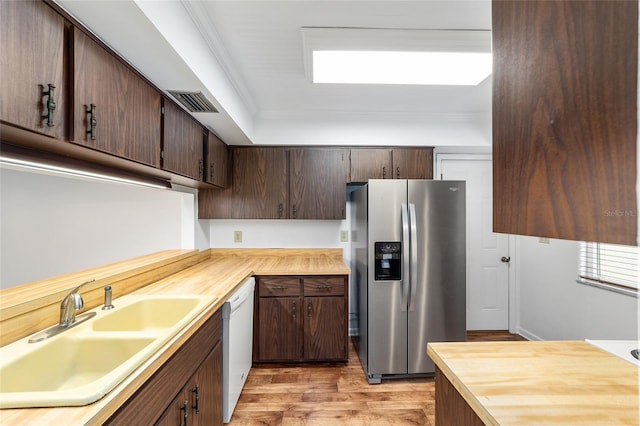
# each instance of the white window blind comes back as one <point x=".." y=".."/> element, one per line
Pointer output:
<point x="610" y="265"/>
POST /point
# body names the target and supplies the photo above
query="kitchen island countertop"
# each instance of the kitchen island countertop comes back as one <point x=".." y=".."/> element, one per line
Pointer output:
<point x="541" y="383"/>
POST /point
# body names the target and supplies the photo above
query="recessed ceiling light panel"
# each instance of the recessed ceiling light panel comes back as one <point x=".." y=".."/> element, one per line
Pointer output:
<point x="382" y="56"/>
<point x="373" y="67"/>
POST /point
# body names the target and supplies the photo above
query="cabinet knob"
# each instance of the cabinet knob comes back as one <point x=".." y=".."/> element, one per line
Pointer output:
<point x="280" y="210"/>
<point x="384" y="172"/>
<point x="398" y="172"/>
<point x="51" y="105"/>
<point x="93" y="122"/>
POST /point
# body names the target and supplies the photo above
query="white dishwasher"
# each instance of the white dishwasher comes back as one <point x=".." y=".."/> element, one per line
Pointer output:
<point x="237" y="339"/>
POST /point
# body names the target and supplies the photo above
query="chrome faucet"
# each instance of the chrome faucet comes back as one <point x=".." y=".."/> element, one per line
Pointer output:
<point x="70" y="304"/>
<point x="68" y="307"/>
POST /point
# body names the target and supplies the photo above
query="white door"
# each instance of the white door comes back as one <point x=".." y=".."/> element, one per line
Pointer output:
<point x="487" y="273"/>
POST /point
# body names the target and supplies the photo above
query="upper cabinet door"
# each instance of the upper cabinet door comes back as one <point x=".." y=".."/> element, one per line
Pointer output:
<point x="370" y="163"/>
<point x="317" y="183"/>
<point x="126" y="110"/>
<point x="183" y="139"/>
<point x="413" y="163"/>
<point x="32" y="39"/>
<point x="259" y="183"/>
<point x="217" y="170"/>
<point x="565" y="119"/>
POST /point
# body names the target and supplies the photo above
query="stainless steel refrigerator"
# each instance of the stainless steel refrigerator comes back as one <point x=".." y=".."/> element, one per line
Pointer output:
<point x="409" y="255"/>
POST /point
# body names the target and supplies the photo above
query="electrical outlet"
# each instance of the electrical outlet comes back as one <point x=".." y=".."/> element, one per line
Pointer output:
<point x="543" y="240"/>
<point x="344" y="236"/>
<point x="237" y="236"/>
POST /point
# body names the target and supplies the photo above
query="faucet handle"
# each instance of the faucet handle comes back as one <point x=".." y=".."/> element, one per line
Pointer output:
<point x="72" y="302"/>
<point x="78" y="303"/>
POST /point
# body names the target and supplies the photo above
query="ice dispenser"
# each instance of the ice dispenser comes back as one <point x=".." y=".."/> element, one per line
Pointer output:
<point x="388" y="258"/>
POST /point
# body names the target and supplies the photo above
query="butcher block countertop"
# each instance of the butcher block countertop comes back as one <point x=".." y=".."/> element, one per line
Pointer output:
<point x="217" y="271"/>
<point x="541" y="383"/>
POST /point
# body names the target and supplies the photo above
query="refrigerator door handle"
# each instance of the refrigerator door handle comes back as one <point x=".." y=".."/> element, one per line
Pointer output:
<point x="405" y="255"/>
<point x="413" y="238"/>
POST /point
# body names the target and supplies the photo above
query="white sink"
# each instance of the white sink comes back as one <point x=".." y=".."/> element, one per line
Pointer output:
<point x="620" y="348"/>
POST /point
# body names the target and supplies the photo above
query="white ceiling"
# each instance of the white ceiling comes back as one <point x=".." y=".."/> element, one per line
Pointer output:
<point x="247" y="57"/>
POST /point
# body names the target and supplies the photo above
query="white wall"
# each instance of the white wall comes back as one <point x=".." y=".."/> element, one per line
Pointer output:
<point x="374" y="129"/>
<point x="278" y="233"/>
<point x="52" y="225"/>
<point x="553" y="306"/>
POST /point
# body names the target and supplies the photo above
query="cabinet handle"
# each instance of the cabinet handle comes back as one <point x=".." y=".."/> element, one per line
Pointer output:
<point x="197" y="404"/>
<point x="92" y="122"/>
<point x="323" y="287"/>
<point x="384" y="172"/>
<point x="398" y="172"/>
<point x="211" y="173"/>
<point x="280" y="210"/>
<point x="200" y="168"/>
<point x="278" y="287"/>
<point x="51" y="105"/>
<point x="294" y="309"/>
<point x="185" y="413"/>
<point x="309" y="309"/>
<point x="295" y="211"/>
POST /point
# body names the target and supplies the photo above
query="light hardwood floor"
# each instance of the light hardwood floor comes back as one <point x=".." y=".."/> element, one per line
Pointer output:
<point x="337" y="394"/>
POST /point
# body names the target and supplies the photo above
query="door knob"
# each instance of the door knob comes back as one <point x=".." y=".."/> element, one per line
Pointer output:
<point x="505" y="259"/>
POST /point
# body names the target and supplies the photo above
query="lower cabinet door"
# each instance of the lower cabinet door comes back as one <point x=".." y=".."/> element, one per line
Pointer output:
<point x="177" y="413"/>
<point x="324" y="326"/>
<point x="200" y="401"/>
<point x="279" y="329"/>
<point x="206" y="391"/>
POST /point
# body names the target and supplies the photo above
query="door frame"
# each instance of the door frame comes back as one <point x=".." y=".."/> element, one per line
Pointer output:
<point x="512" y="288"/>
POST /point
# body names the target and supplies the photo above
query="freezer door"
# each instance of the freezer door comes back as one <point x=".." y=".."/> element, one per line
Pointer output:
<point x="439" y="291"/>
<point x="387" y="317"/>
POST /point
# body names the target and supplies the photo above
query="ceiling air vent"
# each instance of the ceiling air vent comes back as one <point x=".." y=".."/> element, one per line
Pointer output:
<point x="193" y="101"/>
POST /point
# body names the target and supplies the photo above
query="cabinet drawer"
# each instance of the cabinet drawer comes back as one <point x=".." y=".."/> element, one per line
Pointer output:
<point x="324" y="286"/>
<point x="274" y="287"/>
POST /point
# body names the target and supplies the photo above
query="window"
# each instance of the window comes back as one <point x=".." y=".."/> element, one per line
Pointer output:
<point x="611" y="266"/>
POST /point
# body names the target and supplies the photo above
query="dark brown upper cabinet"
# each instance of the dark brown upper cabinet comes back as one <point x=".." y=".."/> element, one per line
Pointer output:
<point x="217" y="164"/>
<point x="183" y="138"/>
<point x="412" y="163"/>
<point x="317" y="183"/>
<point x="260" y="183"/>
<point x="370" y="163"/>
<point x="258" y="189"/>
<point x="391" y="163"/>
<point x="115" y="111"/>
<point x="565" y="119"/>
<point x="32" y="68"/>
